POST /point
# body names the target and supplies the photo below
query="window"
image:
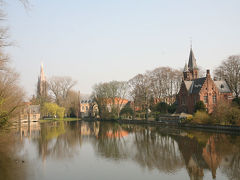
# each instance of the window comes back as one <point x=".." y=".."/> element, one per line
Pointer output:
<point x="86" y="108"/>
<point x="214" y="99"/>
<point x="83" y="108"/>
<point x="205" y="99"/>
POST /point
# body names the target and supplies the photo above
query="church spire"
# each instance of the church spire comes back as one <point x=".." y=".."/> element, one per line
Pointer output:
<point x="192" y="60"/>
<point x="42" y="75"/>
<point x="42" y="84"/>
<point x="185" y="68"/>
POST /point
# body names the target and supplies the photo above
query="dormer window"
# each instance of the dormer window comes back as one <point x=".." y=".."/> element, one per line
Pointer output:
<point x="222" y="86"/>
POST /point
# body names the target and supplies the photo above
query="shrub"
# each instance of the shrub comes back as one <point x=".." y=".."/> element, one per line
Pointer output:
<point x="233" y="116"/>
<point x="199" y="106"/>
<point x="236" y="101"/>
<point x="201" y="117"/>
<point x="161" y="107"/>
<point x="226" y="114"/>
<point x="172" y="108"/>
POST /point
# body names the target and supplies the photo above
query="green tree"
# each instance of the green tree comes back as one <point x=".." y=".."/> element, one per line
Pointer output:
<point x="52" y="109"/>
<point x="60" y="112"/>
<point x="126" y="110"/>
<point x="161" y="107"/>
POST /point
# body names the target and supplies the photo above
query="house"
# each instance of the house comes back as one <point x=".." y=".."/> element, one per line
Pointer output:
<point x="86" y="106"/>
<point x="194" y="89"/>
<point x="30" y="112"/>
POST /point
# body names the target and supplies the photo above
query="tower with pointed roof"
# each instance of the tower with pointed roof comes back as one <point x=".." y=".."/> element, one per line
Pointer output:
<point x="194" y="89"/>
<point x="42" y="84"/>
<point x="190" y="71"/>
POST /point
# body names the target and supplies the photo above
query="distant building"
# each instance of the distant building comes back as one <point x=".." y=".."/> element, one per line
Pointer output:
<point x="117" y="103"/>
<point x="42" y="84"/>
<point x="88" y="108"/>
<point x="30" y="112"/>
<point x="194" y="89"/>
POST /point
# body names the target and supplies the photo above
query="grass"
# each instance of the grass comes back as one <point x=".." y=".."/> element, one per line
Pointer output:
<point x="58" y="119"/>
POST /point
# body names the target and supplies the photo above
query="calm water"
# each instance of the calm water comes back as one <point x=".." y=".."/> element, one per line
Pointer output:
<point x="106" y="151"/>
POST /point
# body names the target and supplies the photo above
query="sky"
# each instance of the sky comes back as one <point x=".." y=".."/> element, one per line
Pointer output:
<point x="102" y="40"/>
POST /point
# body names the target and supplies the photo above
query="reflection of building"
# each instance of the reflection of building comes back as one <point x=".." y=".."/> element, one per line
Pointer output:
<point x="117" y="134"/>
<point x="86" y="130"/>
<point x="30" y="112"/>
<point x="211" y="157"/>
<point x="194" y="89"/>
<point x="29" y="129"/>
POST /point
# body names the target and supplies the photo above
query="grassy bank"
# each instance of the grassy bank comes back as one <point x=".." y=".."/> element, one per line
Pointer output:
<point x="58" y="119"/>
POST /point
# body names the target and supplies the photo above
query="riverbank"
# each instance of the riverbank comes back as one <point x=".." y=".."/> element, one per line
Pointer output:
<point x="170" y="123"/>
<point x="58" y="119"/>
<point x="205" y="127"/>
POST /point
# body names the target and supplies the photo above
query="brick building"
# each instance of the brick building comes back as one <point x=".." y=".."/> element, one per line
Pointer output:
<point x="194" y="89"/>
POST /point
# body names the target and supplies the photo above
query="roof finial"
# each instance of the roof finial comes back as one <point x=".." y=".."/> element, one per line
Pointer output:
<point x="191" y="42"/>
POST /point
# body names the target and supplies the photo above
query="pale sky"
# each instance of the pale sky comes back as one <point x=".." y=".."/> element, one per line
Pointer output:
<point x="102" y="40"/>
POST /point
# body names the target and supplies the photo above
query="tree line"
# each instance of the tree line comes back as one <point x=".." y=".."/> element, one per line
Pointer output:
<point x="60" y="99"/>
<point x="11" y="94"/>
<point x="143" y="90"/>
<point x="154" y="92"/>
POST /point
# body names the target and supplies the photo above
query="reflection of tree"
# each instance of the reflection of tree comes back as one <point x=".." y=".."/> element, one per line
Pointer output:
<point x="191" y="152"/>
<point x="111" y="146"/>
<point x="11" y="166"/>
<point x="156" y="151"/>
<point x="228" y="147"/>
<point x="58" y="140"/>
<point x="166" y="150"/>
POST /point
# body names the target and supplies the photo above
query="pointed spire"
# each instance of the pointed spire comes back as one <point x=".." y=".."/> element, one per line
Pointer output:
<point x="42" y="76"/>
<point x="185" y="68"/>
<point x="192" y="61"/>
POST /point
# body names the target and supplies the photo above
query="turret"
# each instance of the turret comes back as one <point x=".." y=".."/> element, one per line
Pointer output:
<point x="190" y="71"/>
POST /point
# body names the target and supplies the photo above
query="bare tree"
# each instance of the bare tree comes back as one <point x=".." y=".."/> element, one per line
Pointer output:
<point x="11" y="95"/>
<point x="140" y="92"/>
<point x="165" y="83"/>
<point x="230" y="71"/>
<point x="110" y="97"/>
<point x="60" y="87"/>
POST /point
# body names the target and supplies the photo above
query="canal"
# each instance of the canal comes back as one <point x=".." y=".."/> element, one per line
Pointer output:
<point x="106" y="151"/>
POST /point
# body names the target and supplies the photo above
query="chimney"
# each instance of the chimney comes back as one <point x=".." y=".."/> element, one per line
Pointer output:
<point x="208" y="73"/>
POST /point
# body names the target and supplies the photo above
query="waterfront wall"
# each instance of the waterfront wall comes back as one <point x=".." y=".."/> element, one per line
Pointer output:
<point x="222" y="128"/>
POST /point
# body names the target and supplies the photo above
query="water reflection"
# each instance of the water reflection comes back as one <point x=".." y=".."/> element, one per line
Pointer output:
<point x="11" y="165"/>
<point x="168" y="151"/>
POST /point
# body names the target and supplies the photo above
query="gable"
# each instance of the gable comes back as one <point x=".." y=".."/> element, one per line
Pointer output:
<point x="222" y="86"/>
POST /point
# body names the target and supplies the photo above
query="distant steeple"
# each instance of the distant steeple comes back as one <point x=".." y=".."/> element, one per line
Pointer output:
<point x="185" y="68"/>
<point x="192" y="61"/>
<point x="42" y="76"/>
<point x="42" y="84"/>
<point x="190" y="71"/>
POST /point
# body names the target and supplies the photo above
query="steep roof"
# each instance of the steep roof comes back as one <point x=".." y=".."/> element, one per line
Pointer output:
<point x="195" y="85"/>
<point x="192" y="61"/>
<point x="222" y="86"/>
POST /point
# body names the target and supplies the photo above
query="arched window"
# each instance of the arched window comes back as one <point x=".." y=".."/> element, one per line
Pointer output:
<point x="214" y="99"/>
